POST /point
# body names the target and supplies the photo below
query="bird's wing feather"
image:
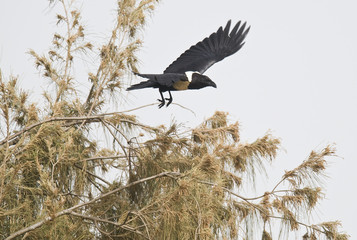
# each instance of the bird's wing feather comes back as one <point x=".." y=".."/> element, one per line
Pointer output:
<point x="159" y="80"/>
<point x="210" y="50"/>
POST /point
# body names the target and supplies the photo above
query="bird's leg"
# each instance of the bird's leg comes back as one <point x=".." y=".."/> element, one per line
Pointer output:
<point x="162" y="100"/>
<point x="169" y="99"/>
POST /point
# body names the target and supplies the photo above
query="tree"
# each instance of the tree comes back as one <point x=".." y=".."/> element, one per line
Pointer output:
<point x="174" y="184"/>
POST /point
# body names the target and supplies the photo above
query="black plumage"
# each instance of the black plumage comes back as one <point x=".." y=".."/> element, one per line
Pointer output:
<point x="186" y="72"/>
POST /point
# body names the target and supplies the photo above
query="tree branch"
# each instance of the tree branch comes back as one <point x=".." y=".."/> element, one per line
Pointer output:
<point x="26" y="129"/>
<point x="92" y="118"/>
<point x="113" y="135"/>
<point x="247" y="200"/>
<point x="102" y="158"/>
<point x="92" y="174"/>
<point x="96" y="219"/>
<point x="70" y="210"/>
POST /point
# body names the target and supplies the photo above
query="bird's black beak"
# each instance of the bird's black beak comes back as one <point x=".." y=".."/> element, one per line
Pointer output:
<point x="213" y="84"/>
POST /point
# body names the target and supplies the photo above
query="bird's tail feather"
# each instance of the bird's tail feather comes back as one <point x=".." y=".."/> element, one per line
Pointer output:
<point x="149" y="76"/>
<point x="140" y="85"/>
<point x="144" y="84"/>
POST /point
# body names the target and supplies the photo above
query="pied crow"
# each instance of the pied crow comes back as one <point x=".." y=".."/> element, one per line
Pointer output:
<point x="186" y="72"/>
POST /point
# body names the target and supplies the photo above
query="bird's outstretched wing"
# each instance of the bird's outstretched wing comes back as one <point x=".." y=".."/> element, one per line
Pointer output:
<point x="210" y="50"/>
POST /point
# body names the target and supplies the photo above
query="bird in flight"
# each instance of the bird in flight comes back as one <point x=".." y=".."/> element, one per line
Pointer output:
<point x="186" y="72"/>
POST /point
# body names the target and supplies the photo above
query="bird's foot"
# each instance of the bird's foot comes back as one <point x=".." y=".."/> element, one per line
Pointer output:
<point x="162" y="102"/>
<point x="169" y="101"/>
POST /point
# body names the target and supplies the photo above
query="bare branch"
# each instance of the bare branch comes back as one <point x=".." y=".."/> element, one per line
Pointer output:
<point x="96" y="219"/>
<point x="102" y="158"/>
<point x="55" y="119"/>
<point x="92" y="118"/>
<point x="93" y="175"/>
<point x="115" y="137"/>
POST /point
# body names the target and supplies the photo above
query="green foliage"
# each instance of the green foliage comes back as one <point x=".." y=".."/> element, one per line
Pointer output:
<point x="170" y="184"/>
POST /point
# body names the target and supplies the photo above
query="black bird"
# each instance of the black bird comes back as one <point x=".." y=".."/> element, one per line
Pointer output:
<point x="186" y="72"/>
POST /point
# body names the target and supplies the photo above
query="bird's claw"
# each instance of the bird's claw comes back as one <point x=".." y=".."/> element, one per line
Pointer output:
<point x="169" y="101"/>
<point x="162" y="103"/>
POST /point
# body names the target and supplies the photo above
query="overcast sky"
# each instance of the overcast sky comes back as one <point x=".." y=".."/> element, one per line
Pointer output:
<point x="296" y="76"/>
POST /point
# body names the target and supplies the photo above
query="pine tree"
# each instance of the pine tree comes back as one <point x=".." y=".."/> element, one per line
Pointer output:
<point x="173" y="184"/>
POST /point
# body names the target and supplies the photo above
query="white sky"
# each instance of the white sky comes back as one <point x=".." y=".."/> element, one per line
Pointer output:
<point x="296" y="75"/>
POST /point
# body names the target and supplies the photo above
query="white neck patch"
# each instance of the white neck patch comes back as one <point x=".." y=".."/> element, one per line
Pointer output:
<point x="189" y="75"/>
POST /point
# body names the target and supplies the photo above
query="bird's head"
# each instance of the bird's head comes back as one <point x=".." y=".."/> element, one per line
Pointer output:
<point x="200" y="81"/>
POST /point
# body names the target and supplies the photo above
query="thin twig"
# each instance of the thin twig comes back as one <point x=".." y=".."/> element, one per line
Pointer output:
<point x="137" y="108"/>
<point x="153" y="104"/>
<point x="95" y="184"/>
<point x="100" y="230"/>
<point x="282" y="180"/>
<point x="96" y="219"/>
<point x="92" y="174"/>
<point x="143" y="221"/>
<point x="115" y="137"/>
<point x="269" y="193"/>
<point x="300" y="223"/>
<point x="199" y="220"/>
<point x="185" y="108"/>
<point x="102" y="158"/>
<point x="117" y="129"/>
